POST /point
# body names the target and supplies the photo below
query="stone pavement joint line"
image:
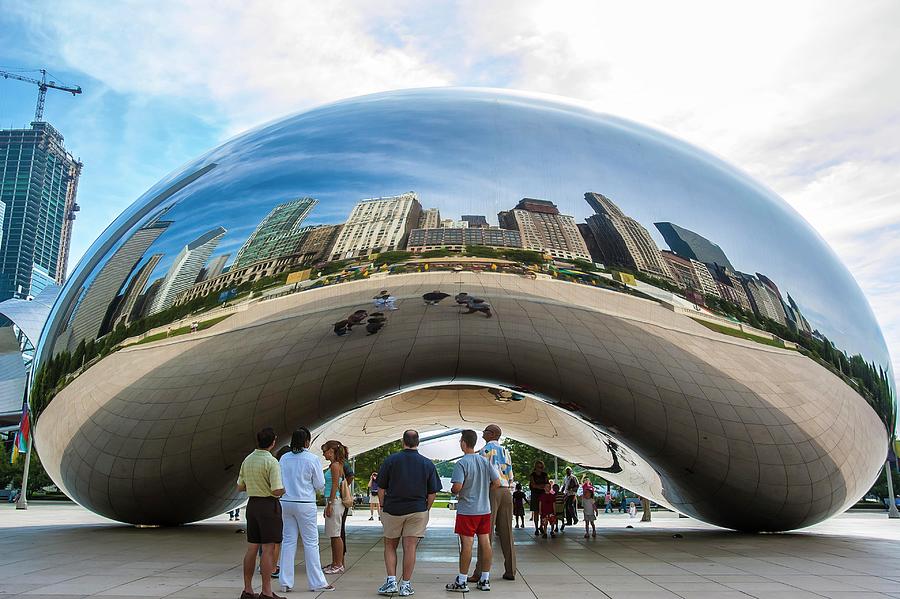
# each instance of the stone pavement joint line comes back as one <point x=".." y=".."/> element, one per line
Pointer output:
<point x="62" y="551"/>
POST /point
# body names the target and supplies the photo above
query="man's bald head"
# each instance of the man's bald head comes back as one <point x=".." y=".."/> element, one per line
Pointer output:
<point x="491" y="432"/>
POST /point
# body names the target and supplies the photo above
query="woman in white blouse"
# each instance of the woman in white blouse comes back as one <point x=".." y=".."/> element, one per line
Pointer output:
<point x="302" y="475"/>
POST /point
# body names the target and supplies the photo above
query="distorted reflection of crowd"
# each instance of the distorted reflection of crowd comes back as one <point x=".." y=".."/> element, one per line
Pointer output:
<point x="375" y="321"/>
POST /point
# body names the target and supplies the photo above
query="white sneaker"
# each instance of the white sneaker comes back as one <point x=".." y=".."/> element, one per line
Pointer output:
<point x="286" y="589"/>
<point x="406" y="590"/>
<point x="388" y="588"/>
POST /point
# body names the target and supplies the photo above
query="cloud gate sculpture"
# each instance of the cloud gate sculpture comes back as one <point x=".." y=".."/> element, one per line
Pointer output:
<point x="450" y="256"/>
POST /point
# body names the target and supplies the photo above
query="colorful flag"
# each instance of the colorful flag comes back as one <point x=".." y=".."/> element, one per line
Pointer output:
<point x="14" y="456"/>
<point x="24" y="432"/>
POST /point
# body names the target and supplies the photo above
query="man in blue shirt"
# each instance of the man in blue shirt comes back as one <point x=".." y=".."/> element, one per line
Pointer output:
<point x="407" y="485"/>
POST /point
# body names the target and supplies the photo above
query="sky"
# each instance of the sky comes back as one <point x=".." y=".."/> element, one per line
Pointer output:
<point x="803" y="96"/>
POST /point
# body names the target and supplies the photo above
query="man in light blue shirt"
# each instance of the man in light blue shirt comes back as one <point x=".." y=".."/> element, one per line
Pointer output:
<point x="501" y="503"/>
<point x="472" y="479"/>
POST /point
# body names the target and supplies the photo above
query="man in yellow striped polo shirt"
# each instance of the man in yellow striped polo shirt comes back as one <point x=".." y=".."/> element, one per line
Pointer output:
<point x="260" y="477"/>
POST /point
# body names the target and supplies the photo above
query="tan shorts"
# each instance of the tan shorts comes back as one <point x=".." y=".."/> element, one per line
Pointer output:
<point x="408" y="525"/>
<point x="333" y="524"/>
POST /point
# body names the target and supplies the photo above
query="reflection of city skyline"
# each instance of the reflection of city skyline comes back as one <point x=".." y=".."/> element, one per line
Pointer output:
<point x="281" y="232"/>
<point x="693" y="263"/>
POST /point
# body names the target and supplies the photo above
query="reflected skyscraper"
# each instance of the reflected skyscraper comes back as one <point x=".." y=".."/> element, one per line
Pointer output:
<point x="623" y="240"/>
<point x="126" y="311"/>
<point x="476" y="221"/>
<point x="430" y="219"/>
<point x="38" y="183"/>
<point x="764" y="302"/>
<point x="279" y="233"/>
<point x="185" y="268"/>
<point x="688" y="244"/>
<point x="97" y="304"/>
<point x="543" y="229"/>
<point x="216" y="267"/>
<point x="378" y="225"/>
<point x="691" y="274"/>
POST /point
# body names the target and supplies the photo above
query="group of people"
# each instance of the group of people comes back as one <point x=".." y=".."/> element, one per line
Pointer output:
<point x="407" y="484"/>
<point x="554" y="506"/>
<point x="281" y="510"/>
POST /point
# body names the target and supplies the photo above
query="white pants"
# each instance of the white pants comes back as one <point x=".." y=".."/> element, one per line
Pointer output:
<point x="300" y="521"/>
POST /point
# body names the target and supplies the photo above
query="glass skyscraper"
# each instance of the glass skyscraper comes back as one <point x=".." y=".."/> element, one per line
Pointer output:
<point x="38" y="182"/>
<point x="279" y="234"/>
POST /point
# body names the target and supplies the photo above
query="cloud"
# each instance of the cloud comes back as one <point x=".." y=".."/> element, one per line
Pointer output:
<point x="238" y="62"/>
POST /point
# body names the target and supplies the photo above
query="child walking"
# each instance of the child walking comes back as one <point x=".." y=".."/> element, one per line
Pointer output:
<point x="590" y="512"/>
<point x="559" y="509"/>
<point x="519" y="505"/>
<point x="548" y="516"/>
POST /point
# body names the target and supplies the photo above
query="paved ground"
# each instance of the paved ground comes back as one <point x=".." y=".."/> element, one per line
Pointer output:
<point x="63" y="551"/>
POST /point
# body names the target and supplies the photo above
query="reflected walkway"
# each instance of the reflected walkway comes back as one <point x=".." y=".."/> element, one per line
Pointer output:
<point x="64" y="551"/>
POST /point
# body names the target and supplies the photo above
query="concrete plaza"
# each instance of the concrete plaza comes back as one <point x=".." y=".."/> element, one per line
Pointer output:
<point x="63" y="551"/>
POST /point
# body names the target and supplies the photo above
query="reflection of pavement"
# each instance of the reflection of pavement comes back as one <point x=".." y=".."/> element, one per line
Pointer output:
<point x="63" y="551"/>
<point x="740" y="433"/>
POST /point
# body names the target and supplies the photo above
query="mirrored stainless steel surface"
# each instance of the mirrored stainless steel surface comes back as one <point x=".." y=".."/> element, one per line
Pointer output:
<point x="449" y="250"/>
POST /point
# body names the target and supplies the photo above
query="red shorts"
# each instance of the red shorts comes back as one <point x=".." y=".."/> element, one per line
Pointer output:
<point x="470" y="526"/>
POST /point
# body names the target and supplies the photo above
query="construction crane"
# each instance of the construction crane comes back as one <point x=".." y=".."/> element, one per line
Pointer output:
<point x="43" y="86"/>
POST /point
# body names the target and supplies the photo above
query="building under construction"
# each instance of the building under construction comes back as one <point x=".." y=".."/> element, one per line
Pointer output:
<point x="38" y="183"/>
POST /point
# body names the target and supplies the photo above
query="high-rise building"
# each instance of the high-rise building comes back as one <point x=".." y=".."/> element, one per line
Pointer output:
<point x="430" y="219"/>
<point x="789" y="317"/>
<point x="764" y="302"/>
<point x="623" y="240"/>
<point x="317" y="244"/>
<point x="449" y="223"/>
<point x="38" y="183"/>
<point x="423" y="240"/>
<point x="688" y="244"/>
<point x="279" y="233"/>
<point x="97" y="304"/>
<point x="476" y="221"/>
<point x="126" y="311"/>
<point x="377" y="225"/>
<point x="216" y="267"/>
<point x="802" y="324"/>
<point x="730" y="286"/>
<point x="691" y="274"/>
<point x="543" y="229"/>
<point x="184" y="269"/>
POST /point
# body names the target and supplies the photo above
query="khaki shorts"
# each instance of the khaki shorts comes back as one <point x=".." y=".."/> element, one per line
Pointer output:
<point x="408" y="525"/>
<point x="333" y="524"/>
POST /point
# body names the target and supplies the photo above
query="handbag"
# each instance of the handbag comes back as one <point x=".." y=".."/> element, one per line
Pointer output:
<point x="346" y="497"/>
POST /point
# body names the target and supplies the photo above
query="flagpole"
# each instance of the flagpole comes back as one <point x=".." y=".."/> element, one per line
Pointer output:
<point x="22" y="502"/>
